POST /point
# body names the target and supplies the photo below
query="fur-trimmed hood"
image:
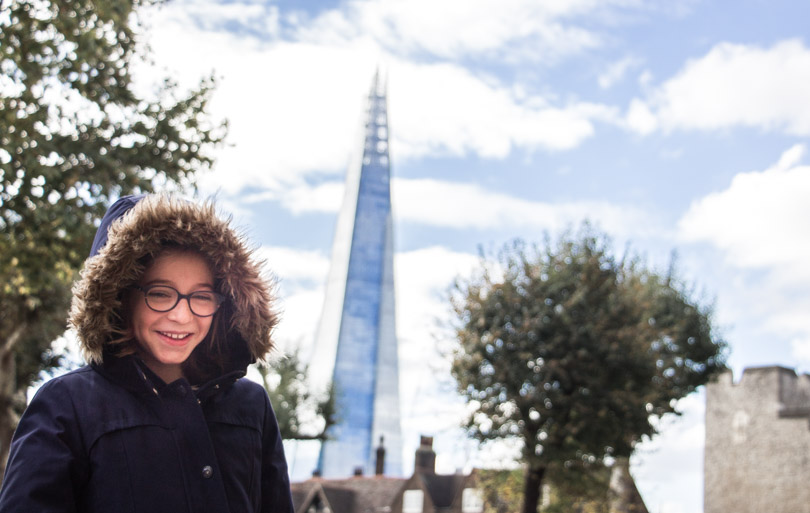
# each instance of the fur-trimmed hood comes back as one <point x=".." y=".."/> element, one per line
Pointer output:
<point x="136" y="228"/>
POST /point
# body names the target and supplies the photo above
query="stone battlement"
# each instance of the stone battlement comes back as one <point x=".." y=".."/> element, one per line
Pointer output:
<point x="771" y="385"/>
<point x="758" y="442"/>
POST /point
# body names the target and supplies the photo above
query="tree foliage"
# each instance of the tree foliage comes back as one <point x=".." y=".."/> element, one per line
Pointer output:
<point x="569" y="490"/>
<point x="301" y="413"/>
<point x="74" y="135"/>
<point x="573" y="352"/>
<point x="500" y="489"/>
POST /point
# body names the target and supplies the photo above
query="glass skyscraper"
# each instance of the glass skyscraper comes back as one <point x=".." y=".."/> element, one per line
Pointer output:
<point x="356" y="339"/>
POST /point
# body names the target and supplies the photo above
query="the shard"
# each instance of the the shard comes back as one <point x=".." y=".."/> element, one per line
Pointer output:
<point x="356" y="340"/>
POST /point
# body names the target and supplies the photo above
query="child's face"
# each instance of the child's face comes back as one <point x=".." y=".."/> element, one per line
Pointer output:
<point x="166" y="339"/>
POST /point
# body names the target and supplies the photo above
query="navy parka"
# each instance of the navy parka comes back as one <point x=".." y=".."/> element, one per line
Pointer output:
<point x="118" y="439"/>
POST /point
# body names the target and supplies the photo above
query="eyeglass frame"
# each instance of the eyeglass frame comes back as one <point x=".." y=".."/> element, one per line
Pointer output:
<point x="218" y="298"/>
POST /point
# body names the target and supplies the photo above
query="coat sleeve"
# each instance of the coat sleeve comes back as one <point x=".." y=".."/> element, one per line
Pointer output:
<point x="276" y="496"/>
<point x="45" y="468"/>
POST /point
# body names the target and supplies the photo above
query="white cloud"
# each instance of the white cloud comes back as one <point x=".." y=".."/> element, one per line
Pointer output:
<point x="462" y="28"/>
<point x="279" y="109"/>
<point x="616" y="72"/>
<point x="801" y="348"/>
<point x="428" y="401"/>
<point x="736" y="85"/>
<point x="300" y="312"/>
<point x="272" y="94"/>
<point x="324" y="197"/>
<point x="761" y="220"/>
<point x="257" y="18"/>
<point x="282" y="129"/>
<point x="445" y="109"/>
<point x="667" y="468"/>
<point x="467" y="205"/>
<point x="299" y="276"/>
<point x="423" y="279"/>
<point x="292" y="264"/>
<point x="640" y="118"/>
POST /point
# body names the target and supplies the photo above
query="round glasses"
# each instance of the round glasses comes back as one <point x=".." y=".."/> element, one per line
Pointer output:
<point x="162" y="298"/>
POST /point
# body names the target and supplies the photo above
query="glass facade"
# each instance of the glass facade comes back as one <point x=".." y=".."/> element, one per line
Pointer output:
<point x="365" y="372"/>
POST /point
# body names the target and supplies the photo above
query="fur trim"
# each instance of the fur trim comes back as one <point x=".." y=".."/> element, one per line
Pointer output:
<point x="143" y="231"/>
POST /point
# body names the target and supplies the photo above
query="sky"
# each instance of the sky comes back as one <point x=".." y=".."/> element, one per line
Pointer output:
<point x="672" y="126"/>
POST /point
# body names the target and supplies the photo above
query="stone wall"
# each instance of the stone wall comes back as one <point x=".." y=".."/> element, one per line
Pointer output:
<point x="757" y="455"/>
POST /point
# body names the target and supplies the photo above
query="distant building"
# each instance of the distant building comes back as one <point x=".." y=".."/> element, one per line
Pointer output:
<point x="356" y="340"/>
<point x="350" y="495"/>
<point x="757" y="454"/>
<point x="424" y="492"/>
<point x="428" y="492"/>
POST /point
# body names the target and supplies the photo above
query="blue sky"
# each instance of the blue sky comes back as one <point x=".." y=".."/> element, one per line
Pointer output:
<point x="670" y="125"/>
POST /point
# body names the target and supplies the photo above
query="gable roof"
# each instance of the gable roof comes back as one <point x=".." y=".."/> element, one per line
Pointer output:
<point x="443" y="489"/>
<point x="353" y="495"/>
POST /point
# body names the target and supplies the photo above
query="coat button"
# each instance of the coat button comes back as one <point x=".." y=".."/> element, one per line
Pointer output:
<point x="207" y="471"/>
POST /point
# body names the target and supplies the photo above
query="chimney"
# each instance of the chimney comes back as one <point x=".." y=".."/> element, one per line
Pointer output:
<point x="379" y="467"/>
<point x="358" y="471"/>
<point x="425" y="461"/>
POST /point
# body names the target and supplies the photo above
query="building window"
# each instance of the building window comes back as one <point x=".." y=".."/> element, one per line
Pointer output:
<point x="472" y="500"/>
<point x="412" y="501"/>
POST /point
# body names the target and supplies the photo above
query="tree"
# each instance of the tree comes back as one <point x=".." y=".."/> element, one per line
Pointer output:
<point x="297" y="409"/>
<point x="572" y="352"/>
<point x="74" y="135"/>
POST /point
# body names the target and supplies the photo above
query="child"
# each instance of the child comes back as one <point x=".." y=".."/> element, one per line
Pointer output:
<point x="169" y="311"/>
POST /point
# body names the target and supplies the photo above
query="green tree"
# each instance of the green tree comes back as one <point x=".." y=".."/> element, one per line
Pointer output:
<point x="74" y="135"/>
<point x="500" y="489"/>
<point x="571" y="351"/>
<point x="301" y="414"/>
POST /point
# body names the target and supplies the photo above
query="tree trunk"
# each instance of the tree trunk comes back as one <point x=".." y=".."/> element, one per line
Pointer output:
<point x="533" y="488"/>
<point x="8" y="395"/>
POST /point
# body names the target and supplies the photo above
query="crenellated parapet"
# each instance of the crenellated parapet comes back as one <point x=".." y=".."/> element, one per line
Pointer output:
<point x="757" y="451"/>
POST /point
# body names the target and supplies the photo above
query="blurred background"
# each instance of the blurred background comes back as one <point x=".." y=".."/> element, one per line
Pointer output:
<point x="671" y="126"/>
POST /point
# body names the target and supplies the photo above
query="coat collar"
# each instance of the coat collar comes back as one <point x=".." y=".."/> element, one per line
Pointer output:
<point x="131" y="373"/>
